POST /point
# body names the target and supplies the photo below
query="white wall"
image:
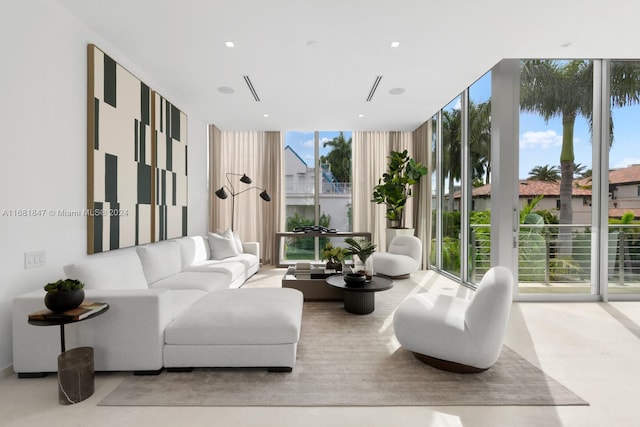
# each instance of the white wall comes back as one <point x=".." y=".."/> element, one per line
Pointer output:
<point x="43" y="78"/>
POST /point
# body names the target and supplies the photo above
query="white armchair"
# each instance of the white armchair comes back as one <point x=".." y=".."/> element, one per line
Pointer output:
<point x="402" y="258"/>
<point x="456" y="334"/>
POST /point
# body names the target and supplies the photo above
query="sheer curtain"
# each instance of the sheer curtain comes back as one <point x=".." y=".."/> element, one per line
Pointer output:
<point x="370" y="152"/>
<point x="259" y="156"/>
<point x="422" y="190"/>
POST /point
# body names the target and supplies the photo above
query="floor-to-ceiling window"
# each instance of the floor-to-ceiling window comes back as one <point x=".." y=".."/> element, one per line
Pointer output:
<point x="451" y="165"/>
<point x="478" y="184"/>
<point x="623" y="243"/>
<point x="555" y="188"/>
<point x="569" y="177"/>
<point x="436" y="190"/>
<point x="317" y="187"/>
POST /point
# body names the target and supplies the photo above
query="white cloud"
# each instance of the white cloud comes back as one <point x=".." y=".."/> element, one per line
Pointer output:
<point x="309" y="143"/>
<point x="541" y="139"/>
<point x="628" y="161"/>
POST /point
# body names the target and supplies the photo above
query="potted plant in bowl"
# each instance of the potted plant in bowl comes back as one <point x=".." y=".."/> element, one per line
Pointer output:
<point x="395" y="187"/>
<point x="64" y="295"/>
<point x="361" y="250"/>
<point x="334" y="255"/>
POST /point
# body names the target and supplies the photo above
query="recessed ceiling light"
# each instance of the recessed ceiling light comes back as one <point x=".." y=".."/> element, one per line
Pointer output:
<point x="229" y="44"/>
<point x="266" y="115"/>
<point x="397" y="91"/>
<point x="395" y="44"/>
<point x="226" y="90"/>
<point x="361" y="115"/>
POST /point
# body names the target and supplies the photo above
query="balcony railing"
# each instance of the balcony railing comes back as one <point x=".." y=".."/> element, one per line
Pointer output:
<point x="552" y="254"/>
<point x="325" y="188"/>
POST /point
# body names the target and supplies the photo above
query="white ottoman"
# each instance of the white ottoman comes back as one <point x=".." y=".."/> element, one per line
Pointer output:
<point x="256" y="327"/>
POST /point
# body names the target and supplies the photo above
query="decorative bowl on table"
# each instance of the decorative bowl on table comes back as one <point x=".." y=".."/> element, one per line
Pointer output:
<point x="354" y="279"/>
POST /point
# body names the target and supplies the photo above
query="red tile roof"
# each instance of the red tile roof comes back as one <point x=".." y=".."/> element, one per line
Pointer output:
<point x="581" y="187"/>
<point x="628" y="175"/>
<point x="532" y="188"/>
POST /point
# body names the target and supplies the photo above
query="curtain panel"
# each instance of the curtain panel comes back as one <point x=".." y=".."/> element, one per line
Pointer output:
<point x="370" y="152"/>
<point x="422" y="190"/>
<point x="259" y="156"/>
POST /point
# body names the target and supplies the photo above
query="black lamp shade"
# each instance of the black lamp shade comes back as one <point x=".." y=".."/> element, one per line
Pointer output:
<point x="221" y="193"/>
<point x="245" y="179"/>
<point x="265" y="196"/>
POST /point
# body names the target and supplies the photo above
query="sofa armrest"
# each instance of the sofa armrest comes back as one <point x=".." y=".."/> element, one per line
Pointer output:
<point x="127" y="337"/>
<point x="251" y="248"/>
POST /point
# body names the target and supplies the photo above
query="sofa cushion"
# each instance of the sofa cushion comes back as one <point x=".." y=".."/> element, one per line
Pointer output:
<point x="193" y="249"/>
<point x="222" y="246"/>
<point x="181" y="300"/>
<point x="117" y="269"/>
<point x="160" y="260"/>
<point x="206" y="281"/>
<point x="238" y="317"/>
<point x="230" y="267"/>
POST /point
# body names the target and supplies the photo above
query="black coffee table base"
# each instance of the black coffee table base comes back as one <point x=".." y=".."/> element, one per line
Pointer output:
<point x="360" y="299"/>
<point x="359" y="302"/>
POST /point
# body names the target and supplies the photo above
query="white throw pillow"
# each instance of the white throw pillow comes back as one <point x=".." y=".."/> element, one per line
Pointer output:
<point x="222" y="246"/>
<point x="160" y="259"/>
<point x="236" y="236"/>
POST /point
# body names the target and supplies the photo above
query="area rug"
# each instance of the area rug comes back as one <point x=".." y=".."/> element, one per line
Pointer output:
<point x="349" y="360"/>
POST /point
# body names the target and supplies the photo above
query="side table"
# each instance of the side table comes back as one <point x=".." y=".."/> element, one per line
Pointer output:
<point x="75" y="366"/>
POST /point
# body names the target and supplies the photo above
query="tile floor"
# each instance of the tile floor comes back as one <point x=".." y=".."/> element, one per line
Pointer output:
<point x="592" y="348"/>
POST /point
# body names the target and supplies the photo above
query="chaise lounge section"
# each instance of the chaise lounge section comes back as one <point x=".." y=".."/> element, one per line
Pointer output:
<point x="170" y="295"/>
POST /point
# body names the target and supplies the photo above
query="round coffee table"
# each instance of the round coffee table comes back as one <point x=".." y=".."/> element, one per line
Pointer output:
<point x="360" y="299"/>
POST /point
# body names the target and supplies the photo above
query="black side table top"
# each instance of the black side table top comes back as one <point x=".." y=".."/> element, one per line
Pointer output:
<point x="377" y="283"/>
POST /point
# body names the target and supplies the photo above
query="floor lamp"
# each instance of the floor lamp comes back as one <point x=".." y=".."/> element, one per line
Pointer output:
<point x="222" y="194"/>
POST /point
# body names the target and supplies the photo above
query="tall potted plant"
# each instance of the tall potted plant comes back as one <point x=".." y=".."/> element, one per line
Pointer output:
<point x="395" y="187"/>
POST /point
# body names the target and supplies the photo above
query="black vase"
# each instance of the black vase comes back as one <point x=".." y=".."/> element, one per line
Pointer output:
<point x="63" y="300"/>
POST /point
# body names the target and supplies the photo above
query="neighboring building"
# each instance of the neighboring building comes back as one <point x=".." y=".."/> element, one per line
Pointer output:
<point x="335" y="197"/>
<point x="624" y="191"/>
<point x="624" y="195"/>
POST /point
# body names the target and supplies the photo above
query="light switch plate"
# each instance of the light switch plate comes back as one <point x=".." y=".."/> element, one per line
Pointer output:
<point x="35" y="259"/>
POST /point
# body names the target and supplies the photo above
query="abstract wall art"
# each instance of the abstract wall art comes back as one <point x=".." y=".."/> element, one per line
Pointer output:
<point x="127" y="169"/>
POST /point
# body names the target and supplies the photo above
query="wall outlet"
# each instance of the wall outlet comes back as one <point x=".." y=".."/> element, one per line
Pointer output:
<point x="35" y="259"/>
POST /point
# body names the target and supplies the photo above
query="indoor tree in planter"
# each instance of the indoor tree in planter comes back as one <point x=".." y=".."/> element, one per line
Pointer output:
<point x="395" y="186"/>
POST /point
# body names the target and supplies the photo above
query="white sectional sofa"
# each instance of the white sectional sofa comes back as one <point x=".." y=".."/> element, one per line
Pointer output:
<point x="170" y="305"/>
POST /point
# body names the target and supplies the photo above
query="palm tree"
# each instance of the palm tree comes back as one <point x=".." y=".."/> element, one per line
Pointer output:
<point x="480" y="141"/>
<point x="451" y="151"/>
<point x="339" y="157"/>
<point x="579" y="170"/>
<point x="564" y="89"/>
<point x="559" y="89"/>
<point x="544" y="173"/>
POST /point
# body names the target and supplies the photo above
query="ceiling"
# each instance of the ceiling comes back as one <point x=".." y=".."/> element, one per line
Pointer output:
<point x="313" y="62"/>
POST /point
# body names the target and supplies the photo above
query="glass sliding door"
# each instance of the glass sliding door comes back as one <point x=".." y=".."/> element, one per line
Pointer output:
<point x="554" y="241"/>
<point x="623" y="265"/>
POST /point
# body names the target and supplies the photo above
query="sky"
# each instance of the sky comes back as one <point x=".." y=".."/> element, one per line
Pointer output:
<point x="540" y="142"/>
<point x="302" y="143"/>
